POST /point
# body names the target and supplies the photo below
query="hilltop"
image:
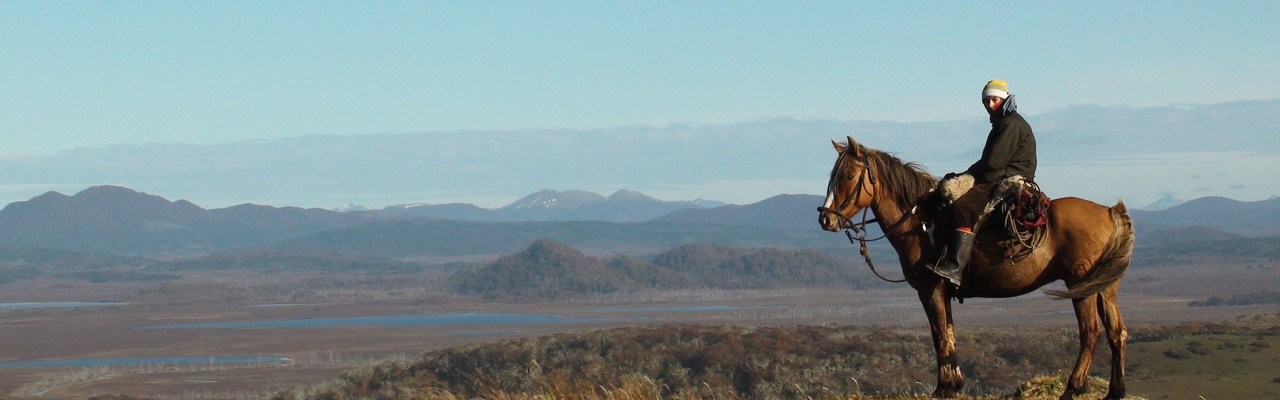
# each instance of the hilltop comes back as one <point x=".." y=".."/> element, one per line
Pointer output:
<point x="1253" y="218"/>
<point x="549" y="270"/>
<point x="121" y="221"/>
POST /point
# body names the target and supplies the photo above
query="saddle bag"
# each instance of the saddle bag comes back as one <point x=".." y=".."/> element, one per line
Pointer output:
<point x="1031" y="207"/>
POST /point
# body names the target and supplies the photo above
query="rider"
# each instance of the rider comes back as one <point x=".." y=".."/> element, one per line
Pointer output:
<point x="1010" y="150"/>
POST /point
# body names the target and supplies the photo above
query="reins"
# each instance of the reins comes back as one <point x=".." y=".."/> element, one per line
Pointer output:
<point x="857" y="232"/>
<point x="861" y="238"/>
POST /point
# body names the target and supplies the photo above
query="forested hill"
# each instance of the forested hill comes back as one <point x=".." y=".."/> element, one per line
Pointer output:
<point x="548" y="269"/>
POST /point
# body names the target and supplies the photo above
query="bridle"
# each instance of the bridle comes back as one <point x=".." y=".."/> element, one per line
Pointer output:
<point x="858" y="189"/>
<point x="857" y="231"/>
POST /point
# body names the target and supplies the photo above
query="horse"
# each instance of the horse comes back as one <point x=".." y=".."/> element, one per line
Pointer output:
<point x="1087" y="246"/>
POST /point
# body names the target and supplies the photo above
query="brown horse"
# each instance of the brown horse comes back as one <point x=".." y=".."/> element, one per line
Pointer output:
<point x="1087" y="246"/>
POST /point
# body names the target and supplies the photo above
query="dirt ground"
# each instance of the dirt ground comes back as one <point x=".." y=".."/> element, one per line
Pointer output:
<point x="316" y="355"/>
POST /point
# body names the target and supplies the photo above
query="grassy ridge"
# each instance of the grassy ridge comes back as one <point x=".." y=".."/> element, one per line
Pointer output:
<point x="643" y="388"/>
<point x="720" y="361"/>
<point x="1226" y="360"/>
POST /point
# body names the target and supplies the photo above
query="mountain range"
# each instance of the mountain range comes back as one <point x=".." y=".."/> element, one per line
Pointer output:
<point x="1255" y="218"/>
<point x="552" y="205"/>
<point x="114" y="220"/>
<point x="117" y="220"/>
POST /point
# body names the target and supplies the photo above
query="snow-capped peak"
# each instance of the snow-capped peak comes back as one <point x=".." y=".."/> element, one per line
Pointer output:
<point x="349" y="207"/>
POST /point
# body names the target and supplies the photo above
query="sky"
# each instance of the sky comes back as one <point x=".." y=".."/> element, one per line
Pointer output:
<point x="105" y="75"/>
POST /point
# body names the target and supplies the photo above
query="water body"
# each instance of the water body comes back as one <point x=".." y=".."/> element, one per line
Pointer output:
<point x="690" y="308"/>
<point x="113" y="362"/>
<point x="293" y="305"/>
<point x="73" y="304"/>
<point x="395" y="321"/>
<point x="480" y="333"/>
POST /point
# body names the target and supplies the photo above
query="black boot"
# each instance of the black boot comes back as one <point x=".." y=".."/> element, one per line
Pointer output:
<point x="957" y="257"/>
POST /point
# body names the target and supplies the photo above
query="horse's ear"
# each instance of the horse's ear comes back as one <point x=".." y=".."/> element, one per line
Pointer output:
<point x="839" y="148"/>
<point x="857" y="150"/>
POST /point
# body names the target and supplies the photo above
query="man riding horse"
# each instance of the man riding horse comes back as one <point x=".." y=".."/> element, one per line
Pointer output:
<point x="1084" y="244"/>
<point x="1010" y="150"/>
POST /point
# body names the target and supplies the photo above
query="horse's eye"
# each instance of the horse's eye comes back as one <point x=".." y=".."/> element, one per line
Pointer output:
<point x="848" y="177"/>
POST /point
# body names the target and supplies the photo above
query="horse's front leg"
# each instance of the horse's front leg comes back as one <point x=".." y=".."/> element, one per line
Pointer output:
<point x="937" y="306"/>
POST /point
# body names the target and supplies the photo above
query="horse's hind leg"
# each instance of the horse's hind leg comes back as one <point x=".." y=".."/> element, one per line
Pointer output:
<point x="1117" y="336"/>
<point x="1087" y="318"/>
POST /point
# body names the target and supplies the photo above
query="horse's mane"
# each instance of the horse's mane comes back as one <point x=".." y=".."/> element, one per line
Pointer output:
<point x="905" y="182"/>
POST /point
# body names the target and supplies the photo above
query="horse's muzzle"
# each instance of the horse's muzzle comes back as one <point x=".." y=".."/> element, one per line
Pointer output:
<point x="828" y="220"/>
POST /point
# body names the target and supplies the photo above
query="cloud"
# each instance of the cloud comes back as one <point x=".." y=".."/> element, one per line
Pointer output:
<point x="1141" y="157"/>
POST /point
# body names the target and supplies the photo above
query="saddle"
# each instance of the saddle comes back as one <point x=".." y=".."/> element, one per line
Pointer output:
<point x="1018" y="209"/>
<point x="1022" y="203"/>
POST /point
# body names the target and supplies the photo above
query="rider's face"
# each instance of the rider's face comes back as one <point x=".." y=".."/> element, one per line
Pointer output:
<point x="992" y="103"/>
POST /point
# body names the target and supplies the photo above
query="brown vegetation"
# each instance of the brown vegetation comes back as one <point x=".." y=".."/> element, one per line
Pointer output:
<point x="730" y="362"/>
<point x="722" y="362"/>
<point x="1241" y="299"/>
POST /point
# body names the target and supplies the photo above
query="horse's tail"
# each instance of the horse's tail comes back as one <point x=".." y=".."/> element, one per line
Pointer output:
<point x="1111" y="265"/>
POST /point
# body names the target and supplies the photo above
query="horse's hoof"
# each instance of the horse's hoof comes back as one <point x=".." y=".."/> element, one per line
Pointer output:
<point x="941" y="393"/>
<point x="1114" y="395"/>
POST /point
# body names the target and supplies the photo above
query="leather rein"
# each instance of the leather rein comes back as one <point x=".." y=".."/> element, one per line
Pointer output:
<point x="857" y="231"/>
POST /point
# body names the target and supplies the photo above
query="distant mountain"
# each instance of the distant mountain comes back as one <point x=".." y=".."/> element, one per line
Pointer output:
<point x="349" y="207"/>
<point x="1164" y="202"/>
<point x="573" y="205"/>
<point x="552" y="205"/>
<point x="550" y="199"/>
<point x="708" y="203"/>
<point x="629" y="206"/>
<point x="787" y="211"/>
<point x="455" y="211"/>
<point x="1257" y="218"/>
<point x="117" y="220"/>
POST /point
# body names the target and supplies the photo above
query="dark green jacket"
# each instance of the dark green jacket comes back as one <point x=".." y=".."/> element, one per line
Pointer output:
<point x="1010" y="149"/>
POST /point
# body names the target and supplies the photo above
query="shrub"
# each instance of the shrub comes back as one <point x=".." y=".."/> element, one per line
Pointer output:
<point x="1177" y="354"/>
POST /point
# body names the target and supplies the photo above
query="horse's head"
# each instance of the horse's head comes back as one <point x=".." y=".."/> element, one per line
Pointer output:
<point x="851" y="188"/>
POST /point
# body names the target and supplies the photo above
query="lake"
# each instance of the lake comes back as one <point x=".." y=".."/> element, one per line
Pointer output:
<point x="71" y="304"/>
<point x="689" y="308"/>
<point x="113" y="362"/>
<point x="461" y="319"/>
<point x="395" y="321"/>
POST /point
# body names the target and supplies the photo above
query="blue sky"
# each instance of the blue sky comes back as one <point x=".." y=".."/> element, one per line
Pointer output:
<point x="100" y="74"/>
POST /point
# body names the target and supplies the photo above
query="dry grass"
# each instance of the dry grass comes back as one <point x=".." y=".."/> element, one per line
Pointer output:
<point x="643" y="388"/>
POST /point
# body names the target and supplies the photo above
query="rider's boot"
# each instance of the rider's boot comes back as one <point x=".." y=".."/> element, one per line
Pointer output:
<point x="957" y="256"/>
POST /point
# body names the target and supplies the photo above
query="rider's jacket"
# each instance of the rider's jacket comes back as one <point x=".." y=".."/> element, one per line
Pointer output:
<point x="1010" y="148"/>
